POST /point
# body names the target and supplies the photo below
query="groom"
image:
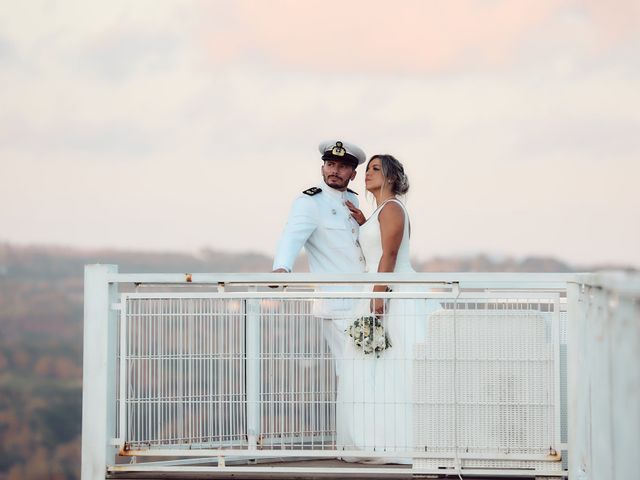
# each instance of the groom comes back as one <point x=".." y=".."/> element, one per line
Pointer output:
<point x="321" y="222"/>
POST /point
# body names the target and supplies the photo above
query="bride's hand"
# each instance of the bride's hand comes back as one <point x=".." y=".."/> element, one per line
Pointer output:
<point x="377" y="305"/>
<point x="356" y="213"/>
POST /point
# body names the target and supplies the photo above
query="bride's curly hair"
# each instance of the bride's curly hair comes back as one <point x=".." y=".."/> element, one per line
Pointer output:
<point x="393" y="171"/>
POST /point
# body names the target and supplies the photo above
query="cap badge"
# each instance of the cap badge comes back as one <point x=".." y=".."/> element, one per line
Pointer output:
<point x="338" y="150"/>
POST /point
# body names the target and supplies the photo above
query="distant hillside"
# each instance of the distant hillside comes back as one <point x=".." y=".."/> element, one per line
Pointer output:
<point x="46" y="262"/>
<point x="57" y="262"/>
<point x="41" y="339"/>
<point x="484" y="263"/>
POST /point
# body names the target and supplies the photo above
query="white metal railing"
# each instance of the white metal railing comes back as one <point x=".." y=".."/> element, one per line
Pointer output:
<point x="219" y="367"/>
<point x="604" y="376"/>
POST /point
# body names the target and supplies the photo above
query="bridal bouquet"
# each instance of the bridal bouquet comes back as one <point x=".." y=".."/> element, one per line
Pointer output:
<point x="369" y="335"/>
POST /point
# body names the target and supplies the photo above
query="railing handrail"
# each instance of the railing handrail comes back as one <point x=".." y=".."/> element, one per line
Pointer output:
<point x="620" y="283"/>
<point x="461" y="279"/>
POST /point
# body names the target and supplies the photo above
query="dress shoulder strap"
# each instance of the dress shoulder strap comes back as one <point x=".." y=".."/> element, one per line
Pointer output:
<point x="404" y="209"/>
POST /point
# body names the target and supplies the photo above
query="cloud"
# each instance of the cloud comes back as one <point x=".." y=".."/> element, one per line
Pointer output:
<point x="119" y="54"/>
<point x="7" y="53"/>
<point x="416" y="36"/>
<point x="593" y="139"/>
<point x="615" y="21"/>
<point x="106" y="138"/>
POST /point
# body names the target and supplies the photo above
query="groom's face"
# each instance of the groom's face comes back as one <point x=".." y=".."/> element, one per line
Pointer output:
<point x="338" y="174"/>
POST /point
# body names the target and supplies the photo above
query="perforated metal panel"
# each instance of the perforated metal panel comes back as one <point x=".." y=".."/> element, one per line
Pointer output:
<point x="487" y="383"/>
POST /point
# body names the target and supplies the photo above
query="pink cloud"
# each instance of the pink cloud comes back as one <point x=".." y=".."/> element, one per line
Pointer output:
<point x="407" y="35"/>
<point x="615" y="21"/>
<point x="375" y="36"/>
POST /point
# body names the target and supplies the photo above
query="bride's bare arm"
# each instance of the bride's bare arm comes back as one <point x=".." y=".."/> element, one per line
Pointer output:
<point x="391" y="219"/>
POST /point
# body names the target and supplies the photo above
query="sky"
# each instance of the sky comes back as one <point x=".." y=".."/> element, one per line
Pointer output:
<point x="182" y="125"/>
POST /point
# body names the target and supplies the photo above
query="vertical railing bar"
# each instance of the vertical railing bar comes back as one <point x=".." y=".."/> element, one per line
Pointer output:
<point x="228" y="331"/>
<point x="281" y="407"/>
<point x="219" y="388"/>
<point x="123" y="366"/>
<point x="225" y="381"/>
<point x="191" y="367"/>
<point x="139" y="385"/>
<point x="188" y="367"/>
<point x="455" y="381"/>
<point x="556" y="372"/>
<point x="176" y="308"/>
<point x="302" y="405"/>
<point x="214" y="366"/>
<point x="235" y="375"/>
<point x="325" y="417"/>
<point x="204" y="309"/>
<point x="171" y="374"/>
<point x="314" y="426"/>
<point x="195" y="356"/>
<point x="241" y="379"/>
<point x="253" y="369"/>
<point x="130" y="373"/>
<point x="293" y="370"/>
<point x="200" y="359"/>
<point x="227" y="376"/>
<point x="242" y="426"/>
<point x="161" y="379"/>
<point x="150" y="385"/>
<point x="268" y="345"/>
<point x="210" y="359"/>
<point x="208" y="315"/>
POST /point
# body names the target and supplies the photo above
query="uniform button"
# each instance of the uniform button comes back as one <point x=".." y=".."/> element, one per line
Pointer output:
<point x="361" y="259"/>
<point x="353" y="230"/>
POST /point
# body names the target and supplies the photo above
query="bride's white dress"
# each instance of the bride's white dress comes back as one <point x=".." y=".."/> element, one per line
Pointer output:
<point x="375" y="395"/>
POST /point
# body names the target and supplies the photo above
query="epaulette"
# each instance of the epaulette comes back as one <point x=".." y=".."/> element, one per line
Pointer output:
<point x="312" y="191"/>
<point x="349" y="190"/>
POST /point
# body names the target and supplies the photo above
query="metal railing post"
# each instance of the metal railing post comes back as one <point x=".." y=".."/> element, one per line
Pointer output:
<point x="578" y="385"/>
<point x="252" y="332"/>
<point x="604" y="377"/>
<point x="99" y="372"/>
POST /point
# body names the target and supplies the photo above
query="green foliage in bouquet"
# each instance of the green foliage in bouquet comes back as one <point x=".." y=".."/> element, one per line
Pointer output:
<point x="368" y="335"/>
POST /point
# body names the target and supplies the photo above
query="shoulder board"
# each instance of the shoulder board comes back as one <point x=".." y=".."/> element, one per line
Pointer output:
<point x="349" y="190"/>
<point x="312" y="191"/>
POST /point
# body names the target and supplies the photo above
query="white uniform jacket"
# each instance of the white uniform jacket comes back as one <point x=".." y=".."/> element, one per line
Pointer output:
<point x="324" y="226"/>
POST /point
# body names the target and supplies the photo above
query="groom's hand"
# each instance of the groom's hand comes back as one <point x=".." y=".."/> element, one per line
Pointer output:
<point x="356" y="213"/>
<point x="278" y="270"/>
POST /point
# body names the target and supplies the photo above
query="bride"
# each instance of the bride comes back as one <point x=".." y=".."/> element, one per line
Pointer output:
<point x="375" y="393"/>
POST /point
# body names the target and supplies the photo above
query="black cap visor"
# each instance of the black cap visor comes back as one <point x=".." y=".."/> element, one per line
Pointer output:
<point x="346" y="158"/>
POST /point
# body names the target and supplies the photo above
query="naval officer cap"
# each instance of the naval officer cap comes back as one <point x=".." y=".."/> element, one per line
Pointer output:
<point x="342" y="152"/>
